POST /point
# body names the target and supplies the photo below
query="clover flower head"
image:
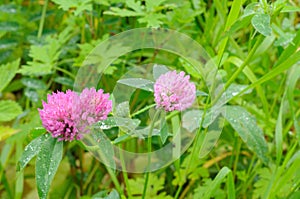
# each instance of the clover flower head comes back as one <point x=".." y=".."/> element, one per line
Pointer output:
<point x="58" y="113"/>
<point x="174" y="91"/>
<point x="95" y="106"/>
<point x="67" y="116"/>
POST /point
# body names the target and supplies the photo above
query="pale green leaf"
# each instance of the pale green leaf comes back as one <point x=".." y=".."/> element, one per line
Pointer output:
<point x="7" y="73"/>
<point x="6" y="132"/>
<point x="261" y="23"/>
<point x="9" y="110"/>
<point x="140" y="83"/>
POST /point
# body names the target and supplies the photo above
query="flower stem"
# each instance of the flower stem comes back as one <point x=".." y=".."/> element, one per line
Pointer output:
<point x="196" y="145"/>
<point x="149" y="146"/>
<point x="143" y="110"/>
<point x="42" y="21"/>
<point x="240" y="69"/>
<point x="125" y="175"/>
<point x="65" y="71"/>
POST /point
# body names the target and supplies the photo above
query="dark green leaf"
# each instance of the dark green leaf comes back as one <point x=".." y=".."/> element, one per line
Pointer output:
<point x="47" y="162"/>
<point x="64" y="81"/>
<point x="9" y="26"/>
<point x="31" y="150"/>
<point x="245" y="125"/>
<point x="34" y="83"/>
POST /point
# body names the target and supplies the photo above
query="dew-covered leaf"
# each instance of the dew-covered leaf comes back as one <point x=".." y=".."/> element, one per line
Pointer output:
<point x="31" y="94"/>
<point x="64" y="81"/>
<point x="33" y="83"/>
<point x="261" y="23"/>
<point x="191" y="120"/>
<point x="122" y="110"/>
<point x="158" y="70"/>
<point x="31" y="150"/>
<point x="245" y="125"/>
<point x="140" y="83"/>
<point x="126" y="124"/>
<point x="47" y="162"/>
<point x="6" y="44"/>
<point x="9" y="110"/>
<point x="9" y="26"/>
<point x="231" y="91"/>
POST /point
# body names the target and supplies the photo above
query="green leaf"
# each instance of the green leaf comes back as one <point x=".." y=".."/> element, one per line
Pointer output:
<point x="245" y="125"/>
<point x="7" y="73"/>
<point x="6" y="132"/>
<point x="6" y="44"/>
<point x="138" y="83"/>
<point x="232" y="90"/>
<point x="9" y="110"/>
<point x="191" y="120"/>
<point x="126" y="124"/>
<point x="152" y="4"/>
<point x="211" y="137"/>
<point x="261" y="23"/>
<point x="101" y="147"/>
<point x="158" y="70"/>
<point x="47" y="162"/>
<point x="9" y="26"/>
<point x="122" y="110"/>
<point x="152" y="20"/>
<point x="79" y="5"/>
<point x="164" y="130"/>
<point x="190" y="69"/>
<point x="122" y="12"/>
<point x="44" y="58"/>
<point x="64" y="81"/>
<point x="34" y="83"/>
<point x="113" y="195"/>
<point x="216" y="182"/>
<point x="136" y="6"/>
<point x="31" y="150"/>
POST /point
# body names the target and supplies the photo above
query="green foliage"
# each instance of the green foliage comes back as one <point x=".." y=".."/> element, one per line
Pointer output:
<point x="245" y="125"/>
<point x="7" y="73"/>
<point x="9" y="110"/>
<point x="255" y="46"/>
<point x="47" y="163"/>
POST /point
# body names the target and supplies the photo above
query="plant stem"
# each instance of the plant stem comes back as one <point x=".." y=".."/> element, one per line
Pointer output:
<point x="125" y="175"/>
<point x="143" y="110"/>
<point x="240" y="69"/>
<point x="149" y="146"/>
<point x="196" y="146"/>
<point x="42" y="21"/>
<point x="65" y="71"/>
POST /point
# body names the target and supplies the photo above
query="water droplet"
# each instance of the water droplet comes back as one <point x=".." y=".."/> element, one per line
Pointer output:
<point x="234" y="93"/>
